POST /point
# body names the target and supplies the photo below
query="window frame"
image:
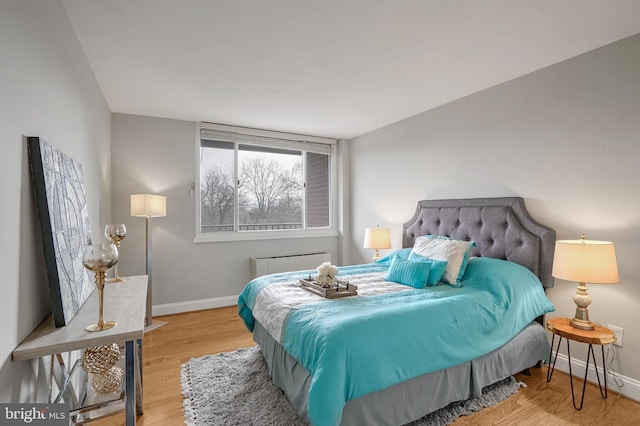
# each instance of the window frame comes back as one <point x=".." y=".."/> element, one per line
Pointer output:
<point x="246" y="134"/>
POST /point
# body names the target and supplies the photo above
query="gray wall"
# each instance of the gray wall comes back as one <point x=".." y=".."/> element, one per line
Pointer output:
<point x="48" y="90"/>
<point x="566" y="138"/>
<point x="158" y="156"/>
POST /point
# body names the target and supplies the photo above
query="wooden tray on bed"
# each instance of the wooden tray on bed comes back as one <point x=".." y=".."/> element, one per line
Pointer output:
<point x="329" y="291"/>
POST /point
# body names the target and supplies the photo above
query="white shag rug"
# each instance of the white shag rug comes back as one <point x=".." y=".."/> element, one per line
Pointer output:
<point x="234" y="388"/>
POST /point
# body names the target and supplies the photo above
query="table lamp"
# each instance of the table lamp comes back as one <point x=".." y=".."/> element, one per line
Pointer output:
<point x="377" y="238"/>
<point x="585" y="261"/>
<point x="148" y="206"/>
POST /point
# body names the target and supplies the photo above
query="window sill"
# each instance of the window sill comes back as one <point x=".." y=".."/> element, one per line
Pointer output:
<point x="219" y="237"/>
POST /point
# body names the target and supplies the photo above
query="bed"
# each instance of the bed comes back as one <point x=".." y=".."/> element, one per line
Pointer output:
<point x="396" y="352"/>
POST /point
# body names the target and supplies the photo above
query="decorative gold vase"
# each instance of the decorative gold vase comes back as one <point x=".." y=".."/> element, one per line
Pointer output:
<point x="99" y="258"/>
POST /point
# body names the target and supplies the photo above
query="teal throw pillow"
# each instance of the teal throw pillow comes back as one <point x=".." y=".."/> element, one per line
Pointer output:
<point x="407" y="272"/>
<point x="436" y="270"/>
<point x="455" y="252"/>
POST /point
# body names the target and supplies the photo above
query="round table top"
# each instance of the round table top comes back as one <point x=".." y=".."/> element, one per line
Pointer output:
<point x="598" y="336"/>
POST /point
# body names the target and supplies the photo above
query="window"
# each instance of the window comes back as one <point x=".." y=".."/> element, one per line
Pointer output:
<point x="259" y="184"/>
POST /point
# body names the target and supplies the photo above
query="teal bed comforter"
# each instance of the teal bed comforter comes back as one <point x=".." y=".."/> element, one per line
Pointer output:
<point x="358" y="345"/>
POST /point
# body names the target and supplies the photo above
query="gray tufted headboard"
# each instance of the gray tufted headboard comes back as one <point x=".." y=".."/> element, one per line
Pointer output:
<point x="501" y="228"/>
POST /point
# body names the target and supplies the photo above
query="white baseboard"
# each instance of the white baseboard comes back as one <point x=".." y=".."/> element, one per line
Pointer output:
<point x="193" y="305"/>
<point x="630" y="387"/>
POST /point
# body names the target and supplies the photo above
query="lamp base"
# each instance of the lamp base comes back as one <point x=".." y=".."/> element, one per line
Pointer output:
<point x="581" y="324"/>
<point x="97" y="327"/>
<point x="376" y="256"/>
<point x="582" y="300"/>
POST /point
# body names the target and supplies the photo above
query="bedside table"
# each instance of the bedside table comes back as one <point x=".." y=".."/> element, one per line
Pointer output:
<point x="598" y="336"/>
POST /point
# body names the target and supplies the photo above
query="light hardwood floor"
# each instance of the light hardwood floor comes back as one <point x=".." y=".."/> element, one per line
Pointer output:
<point x="195" y="334"/>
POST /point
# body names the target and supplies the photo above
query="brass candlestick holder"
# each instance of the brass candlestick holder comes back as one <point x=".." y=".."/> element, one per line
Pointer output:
<point x="99" y="258"/>
<point x="115" y="233"/>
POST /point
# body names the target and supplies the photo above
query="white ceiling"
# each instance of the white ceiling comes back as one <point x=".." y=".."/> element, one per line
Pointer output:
<point x="336" y="68"/>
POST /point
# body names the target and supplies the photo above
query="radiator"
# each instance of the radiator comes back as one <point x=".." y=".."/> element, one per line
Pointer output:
<point x="295" y="262"/>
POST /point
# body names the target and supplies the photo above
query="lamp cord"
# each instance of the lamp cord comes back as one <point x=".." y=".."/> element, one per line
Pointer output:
<point x="611" y="372"/>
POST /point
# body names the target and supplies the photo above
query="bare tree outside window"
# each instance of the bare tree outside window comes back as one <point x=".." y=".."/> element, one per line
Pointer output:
<point x="247" y="187"/>
<point x="217" y="187"/>
<point x="218" y="196"/>
<point x="270" y="186"/>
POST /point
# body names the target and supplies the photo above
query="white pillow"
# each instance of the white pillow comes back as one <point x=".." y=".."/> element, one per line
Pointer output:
<point x="454" y="252"/>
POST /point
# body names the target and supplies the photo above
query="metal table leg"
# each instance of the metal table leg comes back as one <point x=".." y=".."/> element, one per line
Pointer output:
<point x="130" y="384"/>
<point x="138" y="373"/>
<point x="590" y="354"/>
<point x="604" y="368"/>
<point x="552" y="367"/>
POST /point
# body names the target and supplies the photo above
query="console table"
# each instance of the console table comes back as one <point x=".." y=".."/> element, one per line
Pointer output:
<point x="125" y="303"/>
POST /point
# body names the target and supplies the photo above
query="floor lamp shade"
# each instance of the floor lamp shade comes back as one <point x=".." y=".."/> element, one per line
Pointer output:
<point x="585" y="261"/>
<point x="148" y="206"/>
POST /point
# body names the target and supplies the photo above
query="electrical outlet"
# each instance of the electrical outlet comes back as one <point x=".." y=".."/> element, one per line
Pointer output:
<point x="619" y="332"/>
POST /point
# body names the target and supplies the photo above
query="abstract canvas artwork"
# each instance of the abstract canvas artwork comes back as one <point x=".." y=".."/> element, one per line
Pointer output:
<point x="64" y="222"/>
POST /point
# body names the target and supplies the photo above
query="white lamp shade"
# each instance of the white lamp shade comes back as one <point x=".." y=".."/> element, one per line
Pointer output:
<point x="585" y="261"/>
<point x="148" y="205"/>
<point x="377" y="238"/>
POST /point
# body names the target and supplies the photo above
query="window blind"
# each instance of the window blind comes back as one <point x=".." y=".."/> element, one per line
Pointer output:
<point x="207" y="134"/>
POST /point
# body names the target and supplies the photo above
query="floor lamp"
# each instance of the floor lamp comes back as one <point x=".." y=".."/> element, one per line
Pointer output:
<point x="148" y="206"/>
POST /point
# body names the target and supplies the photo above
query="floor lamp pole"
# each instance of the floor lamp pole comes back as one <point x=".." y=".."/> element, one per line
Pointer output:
<point x="150" y="325"/>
